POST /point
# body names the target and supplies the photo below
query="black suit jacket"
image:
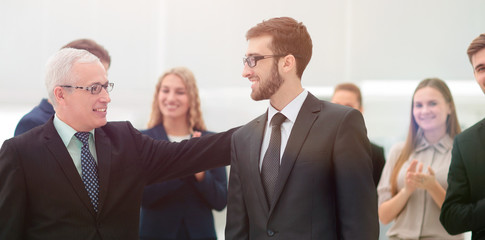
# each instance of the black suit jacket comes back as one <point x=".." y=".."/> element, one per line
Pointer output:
<point x="464" y="206"/>
<point x="325" y="188"/>
<point x="42" y="195"/>
<point x="378" y="161"/>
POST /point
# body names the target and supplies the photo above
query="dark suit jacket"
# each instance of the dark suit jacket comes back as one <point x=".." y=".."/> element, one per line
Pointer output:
<point x="36" y="117"/>
<point x="325" y="188"/>
<point x="378" y="161"/>
<point x="464" y="206"/>
<point x="182" y="204"/>
<point x="42" y="195"/>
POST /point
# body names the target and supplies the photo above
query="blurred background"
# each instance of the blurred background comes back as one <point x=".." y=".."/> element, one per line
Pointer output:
<point x="384" y="46"/>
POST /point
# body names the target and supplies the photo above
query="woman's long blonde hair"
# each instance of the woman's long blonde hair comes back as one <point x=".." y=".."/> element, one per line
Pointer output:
<point x="452" y="126"/>
<point x="194" y="114"/>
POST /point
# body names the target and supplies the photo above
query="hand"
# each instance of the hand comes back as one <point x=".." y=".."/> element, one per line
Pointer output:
<point x="425" y="180"/>
<point x="411" y="184"/>
<point x="196" y="134"/>
<point x="199" y="176"/>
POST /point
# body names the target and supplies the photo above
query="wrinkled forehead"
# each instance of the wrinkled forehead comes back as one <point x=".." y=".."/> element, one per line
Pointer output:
<point x="88" y="73"/>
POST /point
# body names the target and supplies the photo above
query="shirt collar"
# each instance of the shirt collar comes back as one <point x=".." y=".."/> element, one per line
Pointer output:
<point x="65" y="131"/>
<point x="442" y="146"/>
<point x="291" y="110"/>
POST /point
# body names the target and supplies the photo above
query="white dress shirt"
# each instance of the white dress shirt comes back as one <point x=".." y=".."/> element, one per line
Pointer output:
<point x="73" y="144"/>
<point x="291" y="112"/>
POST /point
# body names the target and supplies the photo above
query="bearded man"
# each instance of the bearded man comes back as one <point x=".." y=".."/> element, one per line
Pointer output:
<point x="302" y="170"/>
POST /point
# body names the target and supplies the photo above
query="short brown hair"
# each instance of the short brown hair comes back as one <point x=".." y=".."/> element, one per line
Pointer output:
<point x="92" y="47"/>
<point x="351" y="88"/>
<point x="476" y="45"/>
<point x="288" y="37"/>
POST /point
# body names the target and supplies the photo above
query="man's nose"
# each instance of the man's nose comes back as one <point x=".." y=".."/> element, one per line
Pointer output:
<point x="247" y="71"/>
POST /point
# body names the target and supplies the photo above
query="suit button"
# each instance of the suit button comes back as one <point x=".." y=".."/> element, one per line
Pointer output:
<point x="270" y="233"/>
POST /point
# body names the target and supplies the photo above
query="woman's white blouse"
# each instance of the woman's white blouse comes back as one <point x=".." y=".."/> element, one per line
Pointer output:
<point x="420" y="217"/>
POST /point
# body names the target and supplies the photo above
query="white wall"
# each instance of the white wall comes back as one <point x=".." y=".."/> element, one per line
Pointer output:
<point x="354" y="41"/>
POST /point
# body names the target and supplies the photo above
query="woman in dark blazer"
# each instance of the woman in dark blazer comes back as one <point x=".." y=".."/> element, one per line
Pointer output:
<point x="180" y="208"/>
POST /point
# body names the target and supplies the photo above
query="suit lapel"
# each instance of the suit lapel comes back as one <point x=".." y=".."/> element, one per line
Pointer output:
<point x="255" y="142"/>
<point x="60" y="153"/>
<point x="304" y="122"/>
<point x="103" y="152"/>
<point x="481" y="135"/>
<point x="477" y="153"/>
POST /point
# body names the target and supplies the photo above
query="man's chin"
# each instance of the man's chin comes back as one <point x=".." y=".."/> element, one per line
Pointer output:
<point x="257" y="97"/>
<point x="101" y="123"/>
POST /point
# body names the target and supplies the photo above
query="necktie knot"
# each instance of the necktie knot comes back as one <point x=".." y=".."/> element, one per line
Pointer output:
<point x="277" y="120"/>
<point x="83" y="137"/>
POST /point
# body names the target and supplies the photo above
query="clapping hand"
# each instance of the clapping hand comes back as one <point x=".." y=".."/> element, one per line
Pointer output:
<point x="417" y="179"/>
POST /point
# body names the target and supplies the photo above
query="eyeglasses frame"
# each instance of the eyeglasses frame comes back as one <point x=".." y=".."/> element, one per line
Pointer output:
<point x="259" y="57"/>
<point x="107" y="86"/>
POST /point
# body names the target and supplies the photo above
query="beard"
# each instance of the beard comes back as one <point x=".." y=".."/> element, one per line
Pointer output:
<point x="269" y="86"/>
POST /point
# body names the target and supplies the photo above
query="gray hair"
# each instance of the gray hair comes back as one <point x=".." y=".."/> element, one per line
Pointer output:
<point x="58" y="69"/>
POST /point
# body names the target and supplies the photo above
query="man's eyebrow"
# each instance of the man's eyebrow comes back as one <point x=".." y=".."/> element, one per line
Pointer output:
<point x="98" y="82"/>
<point x="479" y="66"/>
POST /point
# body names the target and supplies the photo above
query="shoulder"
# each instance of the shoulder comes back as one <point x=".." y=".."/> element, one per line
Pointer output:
<point x="313" y="103"/>
<point x="157" y="132"/>
<point x="395" y="150"/>
<point x="34" y="118"/>
<point x="397" y="147"/>
<point x="118" y="128"/>
<point x="206" y="132"/>
<point x="251" y="126"/>
<point x="28" y="122"/>
<point x="376" y="147"/>
<point x="376" y="150"/>
<point x="121" y="135"/>
<point x="471" y="132"/>
<point x="35" y="136"/>
<point x="327" y="111"/>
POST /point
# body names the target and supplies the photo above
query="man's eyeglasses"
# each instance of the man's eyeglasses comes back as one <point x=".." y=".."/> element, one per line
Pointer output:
<point x="253" y="60"/>
<point x="95" y="88"/>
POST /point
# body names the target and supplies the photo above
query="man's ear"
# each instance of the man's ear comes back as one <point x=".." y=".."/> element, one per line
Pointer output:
<point x="59" y="94"/>
<point x="289" y="63"/>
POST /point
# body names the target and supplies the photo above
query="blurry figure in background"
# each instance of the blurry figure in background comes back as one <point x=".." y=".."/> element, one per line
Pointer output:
<point x="44" y="111"/>
<point x="413" y="183"/>
<point x="348" y="94"/>
<point x="181" y="208"/>
<point x="464" y="206"/>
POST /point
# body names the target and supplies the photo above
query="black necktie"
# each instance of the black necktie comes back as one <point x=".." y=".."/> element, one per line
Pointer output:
<point x="271" y="160"/>
<point x="89" y="169"/>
